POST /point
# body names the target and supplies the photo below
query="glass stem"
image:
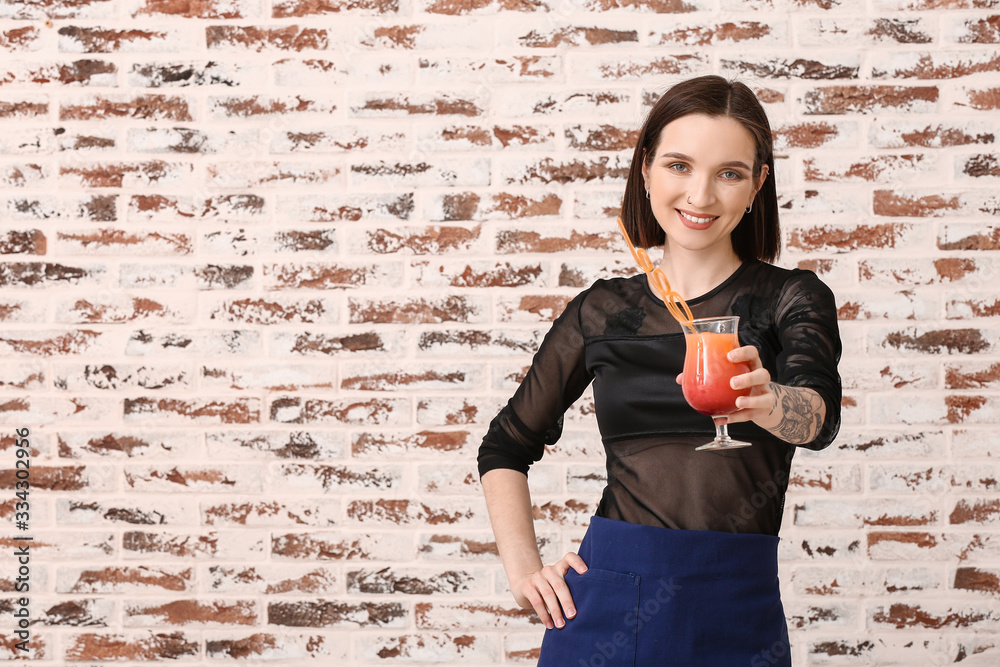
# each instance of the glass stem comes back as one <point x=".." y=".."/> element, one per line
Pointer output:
<point x="721" y="429"/>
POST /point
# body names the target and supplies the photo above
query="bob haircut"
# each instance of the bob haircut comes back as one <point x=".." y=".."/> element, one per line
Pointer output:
<point x="757" y="236"/>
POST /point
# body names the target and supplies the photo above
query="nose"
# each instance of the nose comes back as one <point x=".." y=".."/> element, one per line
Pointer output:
<point x="701" y="193"/>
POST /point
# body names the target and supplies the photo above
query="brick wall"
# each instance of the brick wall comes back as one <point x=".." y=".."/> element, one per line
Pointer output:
<point x="270" y="268"/>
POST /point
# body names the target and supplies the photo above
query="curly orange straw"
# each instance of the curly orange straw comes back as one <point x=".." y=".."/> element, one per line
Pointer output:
<point x="658" y="280"/>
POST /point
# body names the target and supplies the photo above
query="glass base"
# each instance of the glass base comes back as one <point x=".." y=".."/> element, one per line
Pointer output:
<point x="723" y="444"/>
<point x="722" y="439"/>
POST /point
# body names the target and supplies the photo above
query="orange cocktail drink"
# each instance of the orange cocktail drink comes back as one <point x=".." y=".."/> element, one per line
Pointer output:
<point x="707" y="372"/>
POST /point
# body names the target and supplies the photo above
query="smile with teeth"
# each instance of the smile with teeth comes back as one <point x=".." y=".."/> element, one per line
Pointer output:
<point x="695" y="219"/>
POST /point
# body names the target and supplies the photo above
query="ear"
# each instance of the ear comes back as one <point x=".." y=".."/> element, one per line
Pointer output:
<point x="645" y="172"/>
<point x="764" y="171"/>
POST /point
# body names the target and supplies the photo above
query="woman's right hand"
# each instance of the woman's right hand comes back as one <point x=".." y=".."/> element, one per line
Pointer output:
<point x="546" y="591"/>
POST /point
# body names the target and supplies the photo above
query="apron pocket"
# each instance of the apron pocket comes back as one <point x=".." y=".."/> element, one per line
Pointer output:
<point x="603" y="633"/>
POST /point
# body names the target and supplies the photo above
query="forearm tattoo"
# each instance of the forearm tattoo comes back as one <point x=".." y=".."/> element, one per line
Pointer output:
<point x="801" y="412"/>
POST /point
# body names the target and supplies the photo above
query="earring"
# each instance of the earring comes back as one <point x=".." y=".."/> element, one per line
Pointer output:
<point x="750" y="207"/>
<point x="647" y="194"/>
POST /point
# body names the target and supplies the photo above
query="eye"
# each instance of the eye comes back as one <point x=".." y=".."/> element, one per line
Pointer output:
<point x="732" y="175"/>
<point x="677" y="166"/>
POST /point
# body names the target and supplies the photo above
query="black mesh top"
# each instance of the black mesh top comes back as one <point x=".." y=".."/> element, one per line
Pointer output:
<point x="621" y="337"/>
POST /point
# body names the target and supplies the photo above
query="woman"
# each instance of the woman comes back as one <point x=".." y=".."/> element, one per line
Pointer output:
<point x="679" y="565"/>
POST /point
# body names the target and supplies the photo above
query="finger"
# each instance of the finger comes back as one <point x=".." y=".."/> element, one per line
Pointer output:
<point x="538" y="604"/>
<point x="680" y="379"/>
<point x="761" y="402"/>
<point x="574" y="561"/>
<point x="747" y="354"/>
<point x="565" y="600"/>
<point x="752" y="379"/>
<point x="552" y="601"/>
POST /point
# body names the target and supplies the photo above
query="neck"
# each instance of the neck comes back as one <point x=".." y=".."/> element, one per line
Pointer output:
<point x="691" y="275"/>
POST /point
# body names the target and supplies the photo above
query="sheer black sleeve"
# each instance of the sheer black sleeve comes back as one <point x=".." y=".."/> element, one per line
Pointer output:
<point x="806" y="318"/>
<point x="533" y="417"/>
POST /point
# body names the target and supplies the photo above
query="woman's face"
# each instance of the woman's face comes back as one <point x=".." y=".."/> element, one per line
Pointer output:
<point x="700" y="181"/>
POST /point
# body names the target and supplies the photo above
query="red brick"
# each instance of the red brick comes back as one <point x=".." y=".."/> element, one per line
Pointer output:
<point x="202" y="9"/>
<point x="144" y="646"/>
<point x="193" y="73"/>
<point x="454" y="206"/>
<point x="511" y="69"/>
<point x="370" y="412"/>
<point x="870" y="99"/>
<point x="569" y="36"/>
<point x="934" y="65"/>
<point x="462" y="7"/>
<point x="446" y="171"/>
<point x="348" y="208"/>
<point x="23" y="242"/>
<point x="187" y="612"/>
<point x="981" y="99"/>
<point x="324" y="614"/>
<point x="118" y="241"/>
<point x="902" y="615"/>
<point x="187" y="546"/>
<point x="977" y="512"/>
<point x="329" y="276"/>
<point x="585" y="102"/>
<point x="879" y="169"/>
<point x="976" y="579"/>
<point x="20" y="39"/>
<point x="205" y="277"/>
<point x="409" y="512"/>
<point x="984" y="30"/>
<point x="908" y="133"/>
<point x="25" y="108"/>
<point x="104" y="444"/>
<point x="76" y="39"/>
<point x="422" y="240"/>
<point x="844" y="238"/>
<point x="418" y="104"/>
<point x="272" y="513"/>
<point x="523" y="241"/>
<point x="117" y="175"/>
<point x="464" y="309"/>
<point x="167" y="208"/>
<point x="707" y="34"/>
<point x="309" y="344"/>
<point x="478" y="274"/>
<point x="815" y="134"/>
<point x="50" y="343"/>
<point x="251" y="38"/>
<point x="274" y="311"/>
<point x="254" y="175"/>
<point x="124" y="579"/>
<point x="890" y="203"/>
<point x="270" y="445"/>
<point x="266" y="646"/>
<point x="22" y="376"/>
<point x="140" y="107"/>
<point x="424" y="442"/>
<point x="61" y="9"/>
<point x="799" y="68"/>
<point x="202" y="410"/>
<point x="342" y="546"/>
<point x="79" y="72"/>
<point x="294" y="8"/>
<point x="640" y="67"/>
<point x="504" y="343"/>
<point x="451" y="411"/>
<point x="441" y="647"/>
<point x="264" y="106"/>
<point x="657" y="6"/>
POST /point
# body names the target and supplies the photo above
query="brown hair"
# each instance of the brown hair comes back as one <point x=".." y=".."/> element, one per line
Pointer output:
<point x="757" y="236"/>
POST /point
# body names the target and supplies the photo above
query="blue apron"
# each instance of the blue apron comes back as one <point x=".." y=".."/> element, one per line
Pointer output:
<point x="655" y="596"/>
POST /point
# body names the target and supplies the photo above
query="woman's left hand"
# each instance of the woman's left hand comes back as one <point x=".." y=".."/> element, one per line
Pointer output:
<point x="759" y="406"/>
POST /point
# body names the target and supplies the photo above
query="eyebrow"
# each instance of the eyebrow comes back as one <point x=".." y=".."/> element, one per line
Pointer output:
<point x="732" y="163"/>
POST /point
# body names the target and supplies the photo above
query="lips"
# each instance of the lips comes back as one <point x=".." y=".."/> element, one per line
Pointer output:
<point x="693" y="221"/>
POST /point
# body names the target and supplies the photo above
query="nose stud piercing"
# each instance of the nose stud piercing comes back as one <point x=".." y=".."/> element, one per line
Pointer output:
<point x="689" y="199"/>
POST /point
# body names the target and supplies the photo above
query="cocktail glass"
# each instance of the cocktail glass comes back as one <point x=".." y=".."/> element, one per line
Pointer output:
<point x="707" y="372"/>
